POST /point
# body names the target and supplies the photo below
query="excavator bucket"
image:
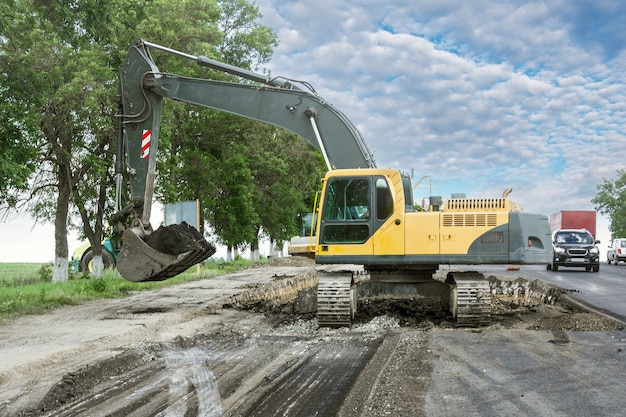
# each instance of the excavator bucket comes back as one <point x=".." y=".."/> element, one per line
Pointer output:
<point x="165" y="253"/>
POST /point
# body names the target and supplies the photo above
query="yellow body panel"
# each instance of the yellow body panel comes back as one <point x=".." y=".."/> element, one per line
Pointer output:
<point x="389" y="239"/>
<point x="422" y="234"/>
<point x="353" y="249"/>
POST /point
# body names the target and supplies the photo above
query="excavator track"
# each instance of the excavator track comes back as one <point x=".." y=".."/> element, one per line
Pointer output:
<point x="336" y="300"/>
<point x="470" y="299"/>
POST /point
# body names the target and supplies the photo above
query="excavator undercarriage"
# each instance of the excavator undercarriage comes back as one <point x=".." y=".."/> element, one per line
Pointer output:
<point x="466" y="295"/>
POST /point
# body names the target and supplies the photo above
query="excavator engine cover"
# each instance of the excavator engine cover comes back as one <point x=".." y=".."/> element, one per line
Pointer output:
<point x="165" y="253"/>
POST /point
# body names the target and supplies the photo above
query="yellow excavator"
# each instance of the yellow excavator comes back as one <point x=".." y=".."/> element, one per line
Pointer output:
<point x="365" y="217"/>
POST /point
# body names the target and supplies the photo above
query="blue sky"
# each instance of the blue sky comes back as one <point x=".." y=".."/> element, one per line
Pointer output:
<point x="481" y="95"/>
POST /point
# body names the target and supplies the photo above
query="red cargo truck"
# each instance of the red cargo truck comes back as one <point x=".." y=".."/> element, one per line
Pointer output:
<point x="574" y="219"/>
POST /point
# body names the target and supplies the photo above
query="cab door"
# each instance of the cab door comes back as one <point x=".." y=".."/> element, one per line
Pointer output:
<point x="388" y="218"/>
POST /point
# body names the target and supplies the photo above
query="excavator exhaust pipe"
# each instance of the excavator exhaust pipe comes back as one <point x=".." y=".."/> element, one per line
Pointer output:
<point x="165" y="253"/>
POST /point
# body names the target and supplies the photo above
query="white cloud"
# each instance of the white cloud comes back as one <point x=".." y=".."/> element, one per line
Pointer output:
<point x="492" y="94"/>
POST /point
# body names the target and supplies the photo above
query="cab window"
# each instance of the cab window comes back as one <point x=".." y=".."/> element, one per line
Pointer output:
<point x="384" y="201"/>
<point x="347" y="211"/>
<point x="348" y="199"/>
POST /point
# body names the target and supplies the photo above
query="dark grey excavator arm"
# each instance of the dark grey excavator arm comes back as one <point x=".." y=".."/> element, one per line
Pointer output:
<point x="278" y="101"/>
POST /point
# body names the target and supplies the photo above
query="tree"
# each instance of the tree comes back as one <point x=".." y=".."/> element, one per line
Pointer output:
<point x="233" y="216"/>
<point x="196" y="159"/>
<point x="18" y="147"/>
<point x="60" y="58"/>
<point x="611" y="200"/>
<point x="286" y="171"/>
<point x="204" y="152"/>
<point x="19" y="139"/>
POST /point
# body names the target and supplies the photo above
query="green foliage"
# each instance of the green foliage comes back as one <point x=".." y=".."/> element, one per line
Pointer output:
<point x="60" y="63"/>
<point x="286" y="171"/>
<point x="23" y="292"/>
<point x="233" y="215"/>
<point x="16" y="274"/>
<point x="61" y="60"/>
<point x="611" y="200"/>
<point x="98" y="285"/>
<point x="45" y="272"/>
<point x="19" y="142"/>
<point x="18" y="148"/>
<point x="240" y="31"/>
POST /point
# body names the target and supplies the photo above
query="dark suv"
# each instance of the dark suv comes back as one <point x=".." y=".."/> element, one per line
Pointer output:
<point x="575" y="248"/>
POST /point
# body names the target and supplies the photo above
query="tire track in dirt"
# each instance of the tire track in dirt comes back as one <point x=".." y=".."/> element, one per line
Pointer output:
<point x="201" y="359"/>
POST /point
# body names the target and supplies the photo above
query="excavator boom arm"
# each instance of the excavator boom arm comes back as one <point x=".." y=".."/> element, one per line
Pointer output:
<point x="143" y="86"/>
<point x="288" y="109"/>
<point x="276" y="101"/>
<point x="337" y="138"/>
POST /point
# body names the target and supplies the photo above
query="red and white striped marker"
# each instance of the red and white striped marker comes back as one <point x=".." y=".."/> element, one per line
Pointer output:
<point x="145" y="143"/>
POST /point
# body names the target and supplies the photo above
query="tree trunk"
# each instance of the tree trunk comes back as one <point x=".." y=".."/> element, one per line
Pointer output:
<point x="254" y="246"/>
<point x="60" y="272"/>
<point x="277" y="248"/>
<point x="98" y="265"/>
<point x="94" y="234"/>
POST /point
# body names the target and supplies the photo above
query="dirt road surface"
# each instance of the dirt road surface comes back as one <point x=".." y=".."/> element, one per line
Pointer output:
<point x="238" y="345"/>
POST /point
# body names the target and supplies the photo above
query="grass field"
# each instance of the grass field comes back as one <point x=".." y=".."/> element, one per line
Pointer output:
<point x="27" y="288"/>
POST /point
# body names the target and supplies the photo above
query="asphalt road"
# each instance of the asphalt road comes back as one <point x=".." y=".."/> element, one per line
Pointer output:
<point x="178" y="351"/>
<point x="605" y="291"/>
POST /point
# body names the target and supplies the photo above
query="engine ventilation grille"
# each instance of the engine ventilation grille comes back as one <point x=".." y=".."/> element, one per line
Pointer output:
<point x="469" y="220"/>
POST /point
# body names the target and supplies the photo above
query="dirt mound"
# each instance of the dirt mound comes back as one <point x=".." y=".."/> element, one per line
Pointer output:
<point x="291" y="261"/>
